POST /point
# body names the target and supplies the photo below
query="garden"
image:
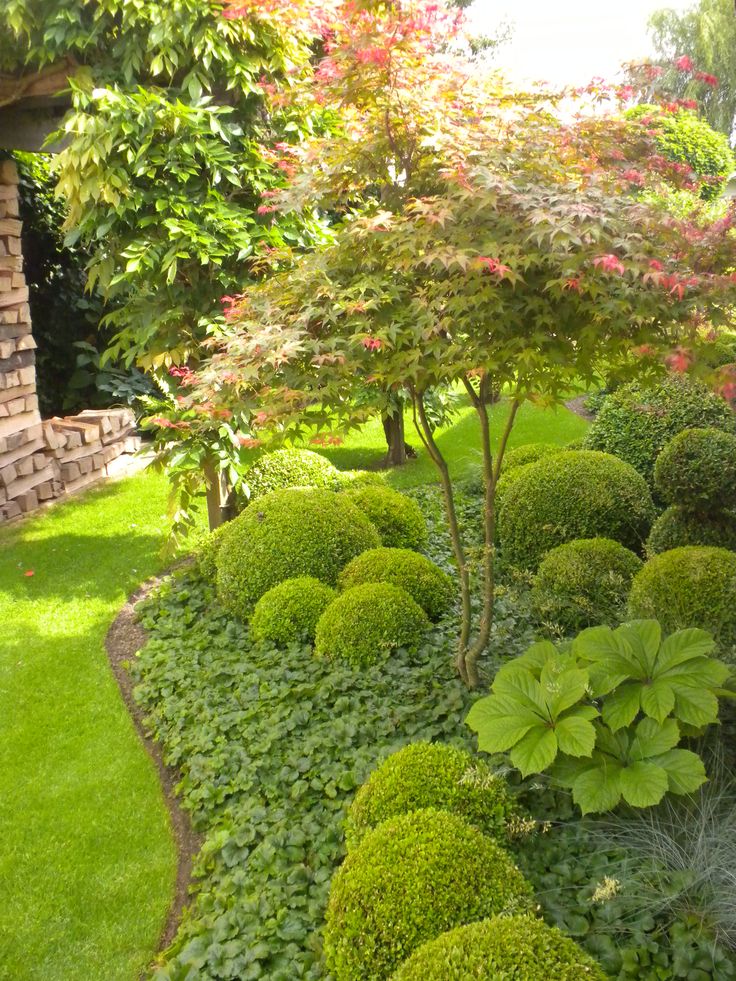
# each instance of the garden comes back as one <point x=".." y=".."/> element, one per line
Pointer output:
<point x="436" y="644"/>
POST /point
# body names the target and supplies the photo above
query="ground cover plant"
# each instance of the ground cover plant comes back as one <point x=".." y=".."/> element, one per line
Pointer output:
<point x="88" y="862"/>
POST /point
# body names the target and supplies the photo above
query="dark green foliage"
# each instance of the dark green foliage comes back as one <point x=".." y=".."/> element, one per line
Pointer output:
<point x="425" y="582"/>
<point x="697" y="470"/>
<point x="411" y="879"/>
<point x="528" y="453"/>
<point x="289" y="611"/>
<point x="367" y="623"/>
<point x="286" y="534"/>
<point x="678" y="526"/>
<point x="431" y="775"/>
<point x="635" y="423"/>
<point x="517" y="947"/>
<point x="693" y="586"/>
<point x="577" y="494"/>
<point x="207" y="553"/>
<point x="585" y="582"/>
<point x="398" y="518"/>
<point x="290" y="468"/>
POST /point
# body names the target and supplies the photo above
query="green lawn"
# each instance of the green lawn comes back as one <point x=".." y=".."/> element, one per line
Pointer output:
<point x="87" y="862"/>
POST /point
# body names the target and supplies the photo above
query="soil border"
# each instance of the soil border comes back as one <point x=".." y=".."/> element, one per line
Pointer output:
<point x="123" y="640"/>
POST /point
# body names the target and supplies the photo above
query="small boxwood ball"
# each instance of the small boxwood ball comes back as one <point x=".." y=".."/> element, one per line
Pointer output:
<point x="697" y="470"/>
<point x="367" y="623"/>
<point x="290" y="468"/>
<point x="576" y="494"/>
<point x="289" y="611"/>
<point x="361" y="478"/>
<point x="410" y="880"/>
<point x="431" y="775"/>
<point x="693" y="586"/>
<point x="285" y="535"/>
<point x="517" y="948"/>
<point x="585" y="582"/>
<point x="424" y="581"/>
<point x="678" y="526"/>
<point x="398" y="518"/>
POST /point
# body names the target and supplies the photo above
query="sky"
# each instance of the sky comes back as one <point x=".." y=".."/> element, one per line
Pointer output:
<point x="570" y="40"/>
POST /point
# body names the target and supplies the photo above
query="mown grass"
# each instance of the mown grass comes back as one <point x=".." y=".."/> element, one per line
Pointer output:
<point x="87" y="860"/>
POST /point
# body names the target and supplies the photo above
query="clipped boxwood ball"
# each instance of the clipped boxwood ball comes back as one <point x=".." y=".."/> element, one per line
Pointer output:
<point x="398" y="518"/>
<point x="697" y="469"/>
<point x="289" y="611"/>
<point x="431" y="775"/>
<point x="362" y="478"/>
<point x="365" y="624"/>
<point x="284" y="535"/>
<point x="290" y="468"/>
<point x="425" y="582"/>
<point x="577" y="494"/>
<point x="207" y="556"/>
<point x="636" y="423"/>
<point x="585" y="582"/>
<point x="677" y="526"/>
<point x="409" y="880"/>
<point x="694" y="586"/>
<point x="528" y="453"/>
<point x="517" y="948"/>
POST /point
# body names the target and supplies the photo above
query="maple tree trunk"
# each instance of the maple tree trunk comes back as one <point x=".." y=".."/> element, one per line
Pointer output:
<point x="218" y="496"/>
<point x="393" y="428"/>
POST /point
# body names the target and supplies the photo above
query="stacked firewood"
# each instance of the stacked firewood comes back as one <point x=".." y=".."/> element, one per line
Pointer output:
<point x="41" y="460"/>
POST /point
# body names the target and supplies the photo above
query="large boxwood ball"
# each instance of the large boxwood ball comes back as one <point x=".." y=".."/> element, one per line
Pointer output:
<point x="435" y="775"/>
<point x="409" y="880"/>
<point x="585" y="582"/>
<point x="636" y="423"/>
<point x="284" y="535"/>
<point x="517" y="948"/>
<point x="697" y="469"/>
<point x="367" y="623"/>
<point x="577" y="494"/>
<point x="694" y="586"/>
<point x="289" y="611"/>
<point x="528" y="453"/>
<point x="425" y="582"/>
<point x="207" y="553"/>
<point x="398" y="518"/>
<point x="290" y="468"/>
<point x="678" y="526"/>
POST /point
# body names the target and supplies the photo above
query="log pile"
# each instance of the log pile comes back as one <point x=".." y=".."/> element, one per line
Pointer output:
<point x="41" y="460"/>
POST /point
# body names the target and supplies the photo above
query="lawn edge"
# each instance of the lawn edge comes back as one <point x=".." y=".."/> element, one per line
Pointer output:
<point x="123" y="640"/>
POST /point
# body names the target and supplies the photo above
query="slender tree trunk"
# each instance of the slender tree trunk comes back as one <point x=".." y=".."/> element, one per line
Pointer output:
<point x="218" y="496"/>
<point x="393" y="428"/>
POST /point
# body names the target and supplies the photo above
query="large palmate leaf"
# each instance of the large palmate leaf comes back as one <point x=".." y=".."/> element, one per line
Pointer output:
<point x="635" y="671"/>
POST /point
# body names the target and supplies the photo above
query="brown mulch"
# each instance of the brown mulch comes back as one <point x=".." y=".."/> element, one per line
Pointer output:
<point x="577" y="405"/>
<point x="124" y="639"/>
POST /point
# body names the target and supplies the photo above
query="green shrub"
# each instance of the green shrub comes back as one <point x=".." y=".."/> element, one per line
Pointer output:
<point x="287" y="534"/>
<point x="513" y="947"/>
<point x="635" y="423"/>
<point x="366" y="623"/>
<point x="528" y="453"/>
<point x="410" y="880"/>
<point x="424" y="581"/>
<point x="577" y="494"/>
<point x="697" y="470"/>
<point x="207" y="555"/>
<point x="398" y="518"/>
<point x="289" y="611"/>
<point x="693" y="586"/>
<point x="362" y="478"/>
<point x="585" y="582"/>
<point x="677" y="526"/>
<point x="435" y="775"/>
<point x="290" y="468"/>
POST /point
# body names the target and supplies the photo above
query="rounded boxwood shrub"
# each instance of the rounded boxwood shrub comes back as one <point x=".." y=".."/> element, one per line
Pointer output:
<point x="504" y="947"/>
<point x="207" y="555"/>
<point x="435" y="775"/>
<point x="398" y="518"/>
<point x="409" y="880"/>
<point x="290" y="468"/>
<point x="366" y="623"/>
<point x="361" y="478"/>
<point x="577" y="494"/>
<point x="424" y="581"/>
<point x="284" y="535"/>
<point x="289" y="611"/>
<point x="528" y="453"/>
<point x="693" y="586"/>
<point x="585" y="582"/>
<point x="635" y="423"/>
<point x="697" y="470"/>
<point x="677" y="526"/>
